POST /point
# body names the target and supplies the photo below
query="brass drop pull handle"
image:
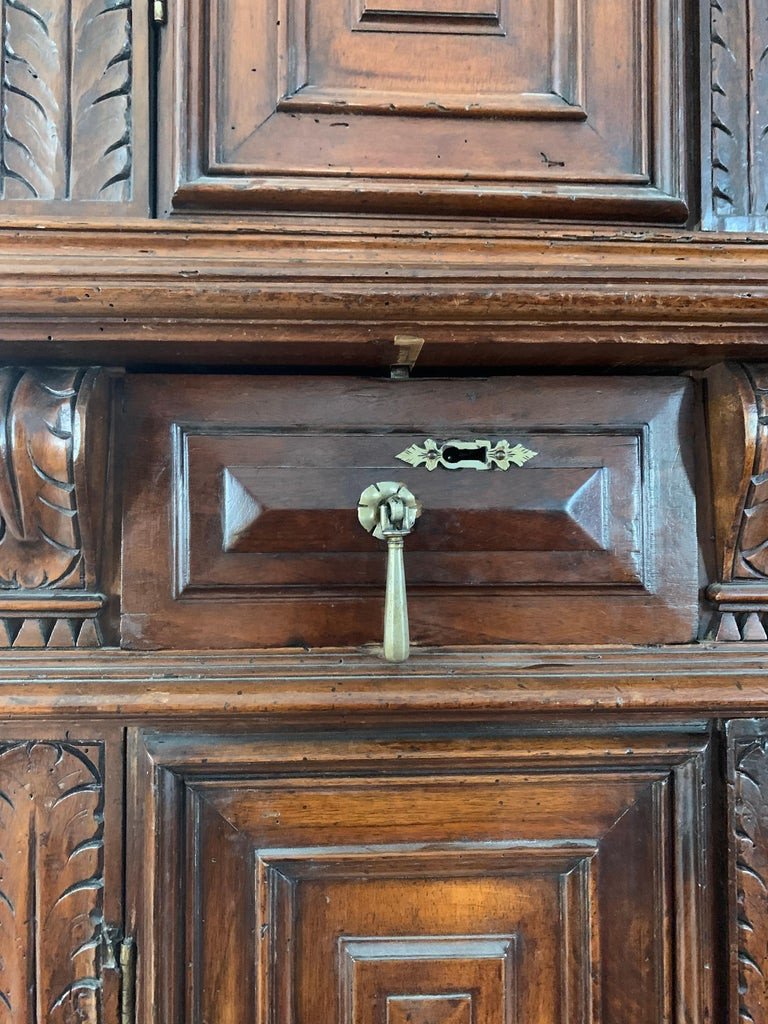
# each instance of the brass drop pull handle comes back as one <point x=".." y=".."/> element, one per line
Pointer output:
<point x="389" y="511"/>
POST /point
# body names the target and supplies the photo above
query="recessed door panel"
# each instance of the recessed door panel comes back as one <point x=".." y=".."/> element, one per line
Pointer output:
<point x="421" y="878"/>
<point x="428" y="106"/>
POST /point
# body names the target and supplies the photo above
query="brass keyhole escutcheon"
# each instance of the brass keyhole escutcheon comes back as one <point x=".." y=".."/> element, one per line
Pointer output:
<point x="389" y="511"/>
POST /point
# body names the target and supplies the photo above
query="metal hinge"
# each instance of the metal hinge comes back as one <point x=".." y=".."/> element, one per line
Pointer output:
<point x="127" y="981"/>
<point x="159" y="12"/>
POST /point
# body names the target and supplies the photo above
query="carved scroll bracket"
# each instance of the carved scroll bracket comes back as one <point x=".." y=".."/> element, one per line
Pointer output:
<point x="54" y="516"/>
<point x="738" y="445"/>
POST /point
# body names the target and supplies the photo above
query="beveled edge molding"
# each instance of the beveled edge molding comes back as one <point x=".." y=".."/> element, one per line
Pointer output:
<point x="314" y="293"/>
<point x="706" y="679"/>
<point x="54" y="505"/>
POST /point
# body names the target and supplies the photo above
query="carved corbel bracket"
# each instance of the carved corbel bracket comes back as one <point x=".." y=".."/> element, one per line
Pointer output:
<point x="738" y="446"/>
<point x="54" y="515"/>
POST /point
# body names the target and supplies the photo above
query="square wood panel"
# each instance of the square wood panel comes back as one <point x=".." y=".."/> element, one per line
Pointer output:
<point x="439" y="979"/>
<point x="568" y="108"/>
<point x="290" y="878"/>
<point x="333" y="901"/>
<point x="448" y="1009"/>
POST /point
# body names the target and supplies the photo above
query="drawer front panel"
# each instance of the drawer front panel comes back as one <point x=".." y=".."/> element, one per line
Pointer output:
<point x="241" y="525"/>
<point x="571" y="516"/>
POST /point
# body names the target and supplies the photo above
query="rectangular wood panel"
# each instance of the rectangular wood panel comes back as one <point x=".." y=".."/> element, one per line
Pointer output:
<point x="457" y="879"/>
<point x="74" y="93"/>
<point x="241" y="517"/>
<point x="567" y="108"/>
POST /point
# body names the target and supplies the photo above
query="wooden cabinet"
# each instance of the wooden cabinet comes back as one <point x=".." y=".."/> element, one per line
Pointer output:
<point x="611" y="110"/>
<point x="442" y="876"/>
<point x="219" y="804"/>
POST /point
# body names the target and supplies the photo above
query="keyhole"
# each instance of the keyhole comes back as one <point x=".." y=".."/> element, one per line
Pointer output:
<point x="453" y="455"/>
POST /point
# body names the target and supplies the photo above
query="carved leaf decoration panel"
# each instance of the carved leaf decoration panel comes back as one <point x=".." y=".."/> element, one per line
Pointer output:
<point x="51" y="883"/>
<point x="749" y="868"/>
<point x="66" y="100"/>
<point x="752" y="558"/>
<point x="39" y="535"/>
<point x="738" y="114"/>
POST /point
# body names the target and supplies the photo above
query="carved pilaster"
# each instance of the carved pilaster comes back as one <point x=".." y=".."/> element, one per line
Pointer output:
<point x="70" y="112"/>
<point x="735" y="114"/>
<point x="738" y="445"/>
<point x="57" y="962"/>
<point x="54" y="513"/>
<point x="748" y="870"/>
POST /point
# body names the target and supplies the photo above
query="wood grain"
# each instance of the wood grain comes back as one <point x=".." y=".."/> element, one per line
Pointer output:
<point x="54" y="520"/>
<point x="72" y="112"/>
<point x="317" y="108"/>
<point x="411" y="864"/>
<point x="314" y="293"/>
<point x="51" y="883"/>
<point x="736" y="115"/>
<point x="486" y="563"/>
<point x="738" y="448"/>
<point x="748" y="868"/>
<point x="353" y="686"/>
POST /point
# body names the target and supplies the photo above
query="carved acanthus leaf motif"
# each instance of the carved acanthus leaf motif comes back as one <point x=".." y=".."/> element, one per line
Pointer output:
<point x="40" y="543"/>
<point x="752" y="557"/>
<point x="66" y="99"/>
<point x="51" y="884"/>
<point x="758" y="35"/>
<point x="750" y="838"/>
<point x="738" y="36"/>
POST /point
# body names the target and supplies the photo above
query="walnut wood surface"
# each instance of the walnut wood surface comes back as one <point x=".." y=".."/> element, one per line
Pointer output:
<point x="568" y="111"/>
<point x="386" y="868"/>
<point x="735" y="115"/>
<point x="713" y="680"/>
<point x="60" y="892"/>
<point x="320" y="294"/>
<point x="738" y="448"/>
<point x="56" y="496"/>
<point x="484" y="564"/>
<point x="75" y="138"/>
<point x="748" y="870"/>
<point x="481" y="835"/>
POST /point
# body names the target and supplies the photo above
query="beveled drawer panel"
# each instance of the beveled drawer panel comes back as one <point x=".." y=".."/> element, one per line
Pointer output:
<point x="241" y="523"/>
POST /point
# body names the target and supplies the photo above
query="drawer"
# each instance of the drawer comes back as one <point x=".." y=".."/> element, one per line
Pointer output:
<point x="241" y="510"/>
